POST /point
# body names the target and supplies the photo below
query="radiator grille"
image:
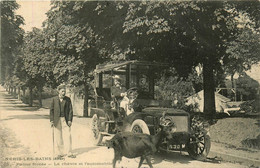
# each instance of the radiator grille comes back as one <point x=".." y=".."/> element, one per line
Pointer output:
<point x="181" y="123"/>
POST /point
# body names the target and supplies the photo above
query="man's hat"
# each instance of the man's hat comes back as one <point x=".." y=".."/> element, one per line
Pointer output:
<point x="62" y="86"/>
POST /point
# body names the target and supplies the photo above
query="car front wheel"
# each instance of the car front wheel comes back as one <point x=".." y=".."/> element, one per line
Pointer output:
<point x="199" y="146"/>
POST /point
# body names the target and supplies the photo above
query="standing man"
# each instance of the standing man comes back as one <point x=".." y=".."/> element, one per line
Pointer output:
<point x="61" y="114"/>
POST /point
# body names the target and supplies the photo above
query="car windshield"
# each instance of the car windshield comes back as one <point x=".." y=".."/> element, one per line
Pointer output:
<point x="130" y="74"/>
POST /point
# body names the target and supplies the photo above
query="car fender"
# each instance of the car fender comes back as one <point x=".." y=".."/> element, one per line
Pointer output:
<point x="134" y="116"/>
<point x="99" y="112"/>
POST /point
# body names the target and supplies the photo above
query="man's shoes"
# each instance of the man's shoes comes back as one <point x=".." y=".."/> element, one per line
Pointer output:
<point x="71" y="156"/>
<point x="60" y="156"/>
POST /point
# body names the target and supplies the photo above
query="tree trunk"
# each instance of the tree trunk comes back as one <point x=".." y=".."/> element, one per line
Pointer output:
<point x="85" y="107"/>
<point x="209" y="91"/>
<point x="10" y="90"/>
<point x="30" y="96"/>
<point x="23" y="88"/>
<point x="19" y="93"/>
<point x="14" y="91"/>
<point x="40" y="96"/>
<point x="234" y="87"/>
<point x="232" y="80"/>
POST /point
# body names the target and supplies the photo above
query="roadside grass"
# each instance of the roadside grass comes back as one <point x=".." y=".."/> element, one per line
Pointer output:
<point x="10" y="147"/>
<point x="237" y="132"/>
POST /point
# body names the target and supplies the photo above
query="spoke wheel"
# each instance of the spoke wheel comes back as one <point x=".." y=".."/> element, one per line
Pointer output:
<point x="137" y="129"/>
<point x="199" y="146"/>
<point x="95" y="127"/>
<point x="139" y="126"/>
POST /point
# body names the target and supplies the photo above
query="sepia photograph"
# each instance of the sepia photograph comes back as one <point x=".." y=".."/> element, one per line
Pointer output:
<point x="130" y="84"/>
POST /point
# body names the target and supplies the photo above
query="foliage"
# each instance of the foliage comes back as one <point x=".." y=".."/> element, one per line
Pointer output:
<point x="247" y="87"/>
<point x="75" y="41"/>
<point x="243" y="51"/>
<point x="11" y="37"/>
<point x="32" y="58"/>
<point x="19" y="70"/>
<point x="173" y="87"/>
<point x="187" y="33"/>
<point x="249" y="107"/>
<point x="78" y="35"/>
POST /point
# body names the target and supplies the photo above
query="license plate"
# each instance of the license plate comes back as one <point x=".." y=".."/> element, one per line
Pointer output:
<point x="176" y="147"/>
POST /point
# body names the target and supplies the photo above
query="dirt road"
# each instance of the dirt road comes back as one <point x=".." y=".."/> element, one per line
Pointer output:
<point x="26" y="141"/>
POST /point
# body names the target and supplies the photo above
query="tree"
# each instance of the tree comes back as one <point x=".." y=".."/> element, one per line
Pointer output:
<point x="172" y="87"/>
<point x="11" y="37"/>
<point x="243" y="52"/>
<point x="247" y="87"/>
<point x="76" y="44"/>
<point x="35" y="62"/>
<point x="185" y="34"/>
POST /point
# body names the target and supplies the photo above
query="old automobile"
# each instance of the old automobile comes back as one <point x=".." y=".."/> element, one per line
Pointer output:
<point x="139" y="78"/>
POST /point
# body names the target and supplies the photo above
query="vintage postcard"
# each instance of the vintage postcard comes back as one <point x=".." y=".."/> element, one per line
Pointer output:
<point x="109" y="84"/>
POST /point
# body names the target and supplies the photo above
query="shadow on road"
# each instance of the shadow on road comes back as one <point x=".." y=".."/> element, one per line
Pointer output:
<point x="13" y="106"/>
<point x="10" y="98"/>
<point x="26" y="117"/>
<point x="169" y="157"/>
<point x="258" y="123"/>
<point x="79" y="151"/>
<point x="9" y="102"/>
<point x="21" y="107"/>
<point x="174" y="157"/>
<point x="177" y="157"/>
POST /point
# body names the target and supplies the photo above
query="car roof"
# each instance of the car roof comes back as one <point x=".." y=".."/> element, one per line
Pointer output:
<point x="116" y="64"/>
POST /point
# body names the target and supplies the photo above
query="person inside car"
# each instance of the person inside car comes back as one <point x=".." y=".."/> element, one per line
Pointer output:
<point x="117" y="91"/>
<point x="129" y="103"/>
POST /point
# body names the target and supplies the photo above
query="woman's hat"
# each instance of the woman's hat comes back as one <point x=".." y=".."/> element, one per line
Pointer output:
<point x="116" y="77"/>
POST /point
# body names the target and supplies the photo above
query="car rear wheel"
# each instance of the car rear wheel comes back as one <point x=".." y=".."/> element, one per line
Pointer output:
<point x="199" y="146"/>
<point x="95" y="127"/>
<point x="139" y="126"/>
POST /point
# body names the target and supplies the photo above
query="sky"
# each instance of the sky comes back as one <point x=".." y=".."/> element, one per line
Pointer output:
<point x="33" y="12"/>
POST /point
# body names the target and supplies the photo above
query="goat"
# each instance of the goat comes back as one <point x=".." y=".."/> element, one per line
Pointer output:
<point x="132" y="145"/>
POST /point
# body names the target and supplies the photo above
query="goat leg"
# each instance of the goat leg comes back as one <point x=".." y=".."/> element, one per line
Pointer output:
<point x="141" y="162"/>
<point x="148" y="160"/>
<point x="117" y="157"/>
<point x="114" y="163"/>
